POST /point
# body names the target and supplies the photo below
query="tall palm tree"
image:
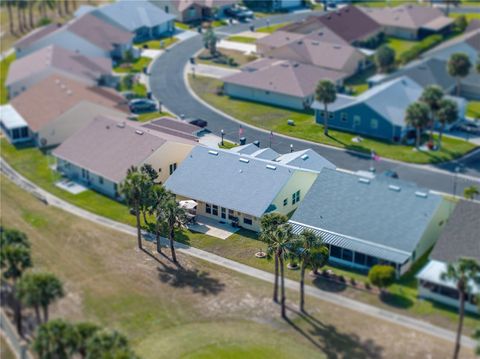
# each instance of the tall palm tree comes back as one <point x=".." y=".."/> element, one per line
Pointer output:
<point x="31" y="21"/>
<point x="159" y="196"/>
<point x="310" y="250"/>
<point x="417" y="117"/>
<point x="66" y="6"/>
<point x="18" y="6"/>
<point x="132" y="189"/>
<point x="13" y="237"/>
<point x="326" y="94"/>
<point x="432" y="97"/>
<point x="447" y="113"/>
<point x="463" y="273"/>
<point x="458" y="66"/>
<point x="85" y="331"/>
<point x="173" y="217"/>
<point x="28" y="292"/>
<point x="56" y="339"/>
<point x="281" y="243"/>
<point x="10" y="4"/>
<point x="14" y="260"/>
<point x="269" y="224"/>
<point x="104" y="344"/>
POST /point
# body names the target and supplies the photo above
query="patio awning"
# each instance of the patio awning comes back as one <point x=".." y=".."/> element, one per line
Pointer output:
<point x="11" y="118"/>
<point x="188" y="204"/>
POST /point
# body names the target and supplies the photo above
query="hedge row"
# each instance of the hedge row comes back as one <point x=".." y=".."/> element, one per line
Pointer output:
<point x="422" y="46"/>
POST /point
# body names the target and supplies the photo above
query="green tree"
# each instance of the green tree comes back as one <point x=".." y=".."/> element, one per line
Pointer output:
<point x="461" y="23"/>
<point x="446" y="114"/>
<point x="85" y="331"/>
<point x="385" y="58"/>
<point x="56" y="339"/>
<point x="158" y="198"/>
<point x="29" y="294"/>
<point x="109" y="345"/>
<point x="310" y="251"/>
<point x="458" y="66"/>
<point x="432" y="97"/>
<point x="14" y="260"/>
<point x="464" y="272"/>
<point x="471" y="192"/>
<point x="269" y="224"/>
<point x="10" y="4"/>
<point x="210" y="41"/>
<point x="133" y="190"/>
<point x="476" y="335"/>
<point x="13" y="237"/>
<point x="326" y="94"/>
<point x="417" y="117"/>
<point x="173" y="217"/>
<point x="381" y="276"/>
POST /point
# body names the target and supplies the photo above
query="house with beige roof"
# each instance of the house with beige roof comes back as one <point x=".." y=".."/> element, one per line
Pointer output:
<point x="194" y="10"/>
<point x="410" y="21"/>
<point x="279" y="82"/>
<point x="86" y="35"/>
<point x="57" y="107"/>
<point x="100" y="154"/>
<point x="29" y="70"/>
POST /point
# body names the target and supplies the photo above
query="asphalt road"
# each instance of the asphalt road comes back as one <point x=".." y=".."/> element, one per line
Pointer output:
<point x="167" y="85"/>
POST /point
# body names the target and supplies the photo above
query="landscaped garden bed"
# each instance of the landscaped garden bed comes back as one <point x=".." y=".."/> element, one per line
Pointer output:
<point x="224" y="57"/>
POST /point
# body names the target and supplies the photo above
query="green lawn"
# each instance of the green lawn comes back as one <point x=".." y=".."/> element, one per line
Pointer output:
<point x="139" y="89"/>
<point x="275" y="119"/>
<point x="243" y="39"/>
<point x="358" y="82"/>
<point x="181" y="25"/>
<point x="272" y="28"/>
<point x="473" y="109"/>
<point x="144" y="117"/>
<point x="400" y="45"/>
<point x="157" y="44"/>
<point x="227" y="145"/>
<point x="468" y="16"/>
<point x="134" y="67"/>
<point x="4" y="65"/>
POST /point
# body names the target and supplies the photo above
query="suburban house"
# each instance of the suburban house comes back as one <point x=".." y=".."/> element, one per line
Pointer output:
<point x="140" y="17"/>
<point x="100" y="154"/>
<point x="55" y="60"/>
<point x="240" y="186"/>
<point x="367" y="221"/>
<point x="378" y="112"/>
<point x="321" y="48"/>
<point x="410" y="22"/>
<point x="459" y="239"/>
<point x="350" y="23"/>
<point x="279" y="82"/>
<point x="86" y="35"/>
<point x="14" y="127"/>
<point x="194" y="10"/>
<point x="274" y="5"/>
<point x="57" y="107"/>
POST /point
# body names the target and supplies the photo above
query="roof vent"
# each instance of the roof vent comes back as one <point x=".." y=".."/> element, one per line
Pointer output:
<point x="69" y="92"/>
<point x="139" y="132"/>
<point x="364" y="180"/>
<point x="316" y="43"/>
<point x="121" y="125"/>
<point x="320" y="33"/>
<point x="421" y="194"/>
<point x="213" y="153"/>
<point x="337" y="47"/>
<point x="244" y="160"/>
<point x="304" y="157"/>
<point x="394" y="188"/>
<point x="271" y="167"/>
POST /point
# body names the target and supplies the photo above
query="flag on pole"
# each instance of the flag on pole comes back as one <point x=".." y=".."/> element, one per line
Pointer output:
<point x="240" y="131"/>
<point x="375" y="157"/>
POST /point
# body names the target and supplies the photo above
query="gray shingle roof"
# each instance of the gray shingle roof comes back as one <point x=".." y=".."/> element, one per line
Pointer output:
<point x="373" y="215"/>
<point x="461" y="236"/>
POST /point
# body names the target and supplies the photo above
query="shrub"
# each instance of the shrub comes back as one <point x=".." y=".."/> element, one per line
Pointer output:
<point x="422" y="46"/>
<point x="381" y="276"/>
<point x="44" y="21"/>
<point x="353" y="281"/>
<point x="461" y="23"/>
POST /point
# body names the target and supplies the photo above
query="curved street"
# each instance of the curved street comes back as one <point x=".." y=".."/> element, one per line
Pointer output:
<point x="168" y="86"/>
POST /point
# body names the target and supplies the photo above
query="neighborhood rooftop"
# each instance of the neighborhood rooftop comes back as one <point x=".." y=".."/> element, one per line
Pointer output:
<point x="109" y="147"/>
<point x="174" y="127"/>
<point x="381" y="217"/>
<point x="36" y="35"/>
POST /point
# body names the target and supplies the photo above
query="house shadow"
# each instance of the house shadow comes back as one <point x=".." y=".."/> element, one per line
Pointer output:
<point x="329" y="285"/>
<point x="330" y="341"/>
<point x="198" y="281"/>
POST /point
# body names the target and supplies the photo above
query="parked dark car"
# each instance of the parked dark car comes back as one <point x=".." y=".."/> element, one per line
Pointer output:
<point x="198" y="122"/>
<point x="470" y="127"/>
<point x="140" y="105"/>
<point x="390" y="174"/>
<point x="239" y="14"/>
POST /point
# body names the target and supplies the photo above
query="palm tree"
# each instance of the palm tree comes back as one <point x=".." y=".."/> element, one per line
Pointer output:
<point x="447" y="113"/>
<point x="269" y="223"/>
<point x="417" y="117"/>
<point x="10" y="4"/>
<point x="14" y="260"/>
<point x="19" y="15"/>
<point x="66" y="5"/>
<point x="28" y="292"/>
<point x="56" y="339"/>
<point x="282" y="240"/>
<point x="471" y="192"/>
<point x="13" y="237"/>
<point x="311" y="252"/>
<point x="326" y="94"/>
<point x="85" y="331"/>
<point x="104" y="344"/>
<point x="132" y="189"/>
<point x="173" y="217"/>
<point x="159" y="196"/>
<point x="431" y="96"/>
<point x="458" y="66"/>
<point x="31" y="21"/>
<point x="464" y="272"/>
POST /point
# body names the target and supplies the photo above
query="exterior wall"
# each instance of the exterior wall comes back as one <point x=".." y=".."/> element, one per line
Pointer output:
<point x="287" y="4"/>
<point x="470" y="91"/>
<point x="272" y="98"/>
<point x="66" y="40"/>
<point x="192" y="13"/>
<point x="401" y="32"/>
<point x="168" y="154"/>
<point x="16" y="135"/>
<point x="385" y="130"/>
<point x="437" y="297"/>
<point x="87" y="178"/>
<point x="430" y="237"/>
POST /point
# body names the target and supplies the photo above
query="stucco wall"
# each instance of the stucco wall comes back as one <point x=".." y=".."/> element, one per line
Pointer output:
<point x="427" y="294"/>
<point x="401" y="32"/>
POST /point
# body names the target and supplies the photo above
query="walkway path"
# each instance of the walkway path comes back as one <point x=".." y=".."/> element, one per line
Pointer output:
<point x="333" y="298"/>
<point x="211" y="71"/>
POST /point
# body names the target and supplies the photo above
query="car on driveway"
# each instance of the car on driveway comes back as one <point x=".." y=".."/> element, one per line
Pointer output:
<point x="198" y="122"/>
<point x="140" y="105"/>
<point x="239" y="13"/>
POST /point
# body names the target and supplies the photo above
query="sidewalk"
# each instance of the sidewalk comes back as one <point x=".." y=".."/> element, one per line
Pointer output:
<point x="211" y="71"/>
<point x="332" y="298"/>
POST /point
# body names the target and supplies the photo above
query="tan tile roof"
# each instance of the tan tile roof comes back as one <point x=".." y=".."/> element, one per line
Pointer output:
<point x="55" y="95"/>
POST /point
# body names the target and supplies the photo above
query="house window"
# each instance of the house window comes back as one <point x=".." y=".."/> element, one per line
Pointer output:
<point x="267" y="92"/>
<point x="215" y="210"/>
<point x="100" y="179"/>
<point x="357" y="121"/>
<point x="167" y="10"/>
<point x="173" y="167"/>
<point x="360" y="258"/>
<point x="208" y="208"/>
<point x="374" y="123"/>
<point x="296" y="197"/>
<point x="321" y="113"/>
<point x="285" y="202"/>
<point x="247" y="220"/>
<point x="347" y="255"/>
<point x="224" y="213"/>
<point x="343" y="117"/>
<point x="231" y="214"/>
<point x="335" y="251"/>
<point x="85" y="174"/>
<point x="331" y="115"/>
<point x="371" y="261"/>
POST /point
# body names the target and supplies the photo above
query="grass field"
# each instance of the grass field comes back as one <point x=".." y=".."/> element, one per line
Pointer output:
<point x="4" y="65"/>
<point x="275" y="119"/>
<point x="157" y="44"/>
<point x="134" y="67"/>
<point x="473" y="109"/>
<point x="144" y="117"/>
<point x="196" y="310"/>
<point x="271" y="28"/>
<point x="242" y="39"/>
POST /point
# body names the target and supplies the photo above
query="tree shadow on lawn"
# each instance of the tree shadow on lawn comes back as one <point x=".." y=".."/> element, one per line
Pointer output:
<point x="333" y="343"/>
<point x="329" y="285"/>
<point x="396" y="300"/>
<point x="199" y="281"/>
